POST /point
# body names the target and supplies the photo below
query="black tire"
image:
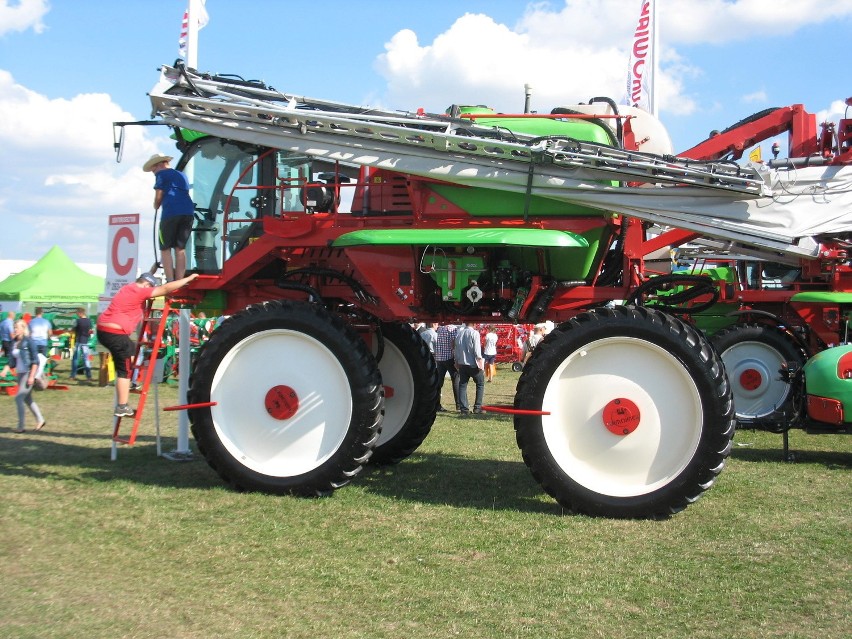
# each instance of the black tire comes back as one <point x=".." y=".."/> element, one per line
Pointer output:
<point x="298" y="400"/>
<point x="517" y="367"/>
<point x="410" y="376"/>
<point x="753" y="355"/>
<point x="641" y="415"/>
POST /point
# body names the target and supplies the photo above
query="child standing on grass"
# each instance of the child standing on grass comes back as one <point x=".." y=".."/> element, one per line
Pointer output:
<point x="489" y="354"/>
<point x="25" y="354"/>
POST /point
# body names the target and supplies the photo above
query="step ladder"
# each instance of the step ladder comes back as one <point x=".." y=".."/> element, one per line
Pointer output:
<point x="150" y="340"/>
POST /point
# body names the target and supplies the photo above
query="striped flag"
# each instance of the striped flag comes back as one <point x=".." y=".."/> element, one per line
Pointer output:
<point x="640" y="70"/>
<point x="196" y="9"/>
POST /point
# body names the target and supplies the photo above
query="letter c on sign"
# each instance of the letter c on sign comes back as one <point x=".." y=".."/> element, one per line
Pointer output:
<point x="121" y="268"/>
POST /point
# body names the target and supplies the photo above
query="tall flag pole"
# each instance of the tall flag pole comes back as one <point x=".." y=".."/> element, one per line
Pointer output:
<point x="194" y="19"/>
<point x="643" y="59"/>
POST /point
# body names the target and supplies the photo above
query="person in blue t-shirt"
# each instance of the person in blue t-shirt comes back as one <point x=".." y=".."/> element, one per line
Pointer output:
<point x="171" y="191"/>
<point x="7" y="337"/>
<point x="40" y="329"/>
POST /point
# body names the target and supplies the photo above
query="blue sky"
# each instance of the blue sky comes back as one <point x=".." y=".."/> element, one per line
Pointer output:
<point x="69" y="68"/>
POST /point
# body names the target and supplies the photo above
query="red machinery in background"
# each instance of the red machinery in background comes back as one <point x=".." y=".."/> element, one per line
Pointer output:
<point x="510" y="342"/>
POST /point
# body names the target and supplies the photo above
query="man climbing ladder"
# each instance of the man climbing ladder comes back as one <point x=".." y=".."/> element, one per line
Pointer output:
<point x="119" y="321"/>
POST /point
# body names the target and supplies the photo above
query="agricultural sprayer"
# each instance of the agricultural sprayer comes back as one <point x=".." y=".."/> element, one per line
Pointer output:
<point x="325" y="228"/>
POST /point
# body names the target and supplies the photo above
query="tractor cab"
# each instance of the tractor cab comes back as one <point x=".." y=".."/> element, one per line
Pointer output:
<point x="235" y="186"/>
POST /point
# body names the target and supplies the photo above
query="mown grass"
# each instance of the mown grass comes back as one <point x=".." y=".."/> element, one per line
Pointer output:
<point x="458" y="540"/>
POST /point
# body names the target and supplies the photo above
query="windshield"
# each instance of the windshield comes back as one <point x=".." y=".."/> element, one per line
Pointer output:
<point x="234" y="185"/>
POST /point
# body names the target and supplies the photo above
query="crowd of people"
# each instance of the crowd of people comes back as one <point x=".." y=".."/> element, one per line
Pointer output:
<point x="465" y="352"/>
<point x="27" y="344"/>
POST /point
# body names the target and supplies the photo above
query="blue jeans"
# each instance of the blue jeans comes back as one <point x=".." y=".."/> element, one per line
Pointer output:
<point x="444" y="367"/>
<point x="465" y="374"/>
<point x="24" y="397"/>
<point x="81" y="350"/>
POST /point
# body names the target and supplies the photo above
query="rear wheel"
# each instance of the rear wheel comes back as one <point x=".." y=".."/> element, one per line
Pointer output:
<point x="640" y="414"/>
<point x="410" y="378"/>
<point x="298" y="400"/>
<point x="753" y="356"/>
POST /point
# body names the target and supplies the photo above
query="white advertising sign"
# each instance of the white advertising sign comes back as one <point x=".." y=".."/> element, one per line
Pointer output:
<point x="122" y="255"/>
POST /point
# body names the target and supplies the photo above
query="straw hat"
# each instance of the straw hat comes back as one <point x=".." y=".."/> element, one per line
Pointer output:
<point x="154" y="160"/>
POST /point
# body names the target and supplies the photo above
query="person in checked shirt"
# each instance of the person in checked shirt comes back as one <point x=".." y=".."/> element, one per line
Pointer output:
<point x="445" y="359"/>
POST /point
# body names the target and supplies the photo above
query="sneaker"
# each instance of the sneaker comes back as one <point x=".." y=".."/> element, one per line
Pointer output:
<point x="124" y="410"/>
<point x="463" y="413"/>
<point x="441" y="409"/>
<point x="477" y="411"/>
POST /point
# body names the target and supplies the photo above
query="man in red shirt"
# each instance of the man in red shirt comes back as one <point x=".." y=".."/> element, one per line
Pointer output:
<point x="118" y="322"/>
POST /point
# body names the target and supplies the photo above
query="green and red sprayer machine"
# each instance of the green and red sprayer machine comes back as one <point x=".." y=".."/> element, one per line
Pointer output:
<point x="325" y="229"/>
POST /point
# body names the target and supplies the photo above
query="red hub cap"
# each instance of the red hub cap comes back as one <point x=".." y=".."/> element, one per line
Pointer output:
<point x="281" y="402"/>
<point x="621" y="416"/>
<point x="751" y="379"/>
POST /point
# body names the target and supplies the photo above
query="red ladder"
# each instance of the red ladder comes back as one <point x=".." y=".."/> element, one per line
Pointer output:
<point x="151" y="326"/>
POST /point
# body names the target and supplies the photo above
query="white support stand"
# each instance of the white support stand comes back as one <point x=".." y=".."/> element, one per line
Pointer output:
<point x="113" y="453"/>
<point x="158" y="379"/>
<point x="182" y="452"/>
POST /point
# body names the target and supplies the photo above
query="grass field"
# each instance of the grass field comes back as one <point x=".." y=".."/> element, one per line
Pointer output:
<point x="456" y="541"/>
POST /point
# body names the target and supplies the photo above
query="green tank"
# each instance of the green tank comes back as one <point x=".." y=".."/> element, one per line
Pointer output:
<point x="488" y="202"/>
<point x="828" y="383"/>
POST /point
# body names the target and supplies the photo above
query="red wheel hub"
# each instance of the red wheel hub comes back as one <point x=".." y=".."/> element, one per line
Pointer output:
<point x="751" y="379"/>
<point x="281" y="402"/>
<point x="621" y="416"/>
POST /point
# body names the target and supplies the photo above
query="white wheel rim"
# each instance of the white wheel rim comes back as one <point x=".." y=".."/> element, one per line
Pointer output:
<point x="752" y="369"/>
<point x="646" y="375"/>
<point x="399" y="391"/>
<point x="263" y="442"/>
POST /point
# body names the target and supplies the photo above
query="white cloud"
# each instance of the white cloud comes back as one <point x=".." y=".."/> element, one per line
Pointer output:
<point x="720" y="21"/>
<point x="22" y="15"/>
<point x="576" y="51"/>
<point x="835" y="112"/>
<point x="61" y="180"/>
<point x="756" y="96"/>
<point x="479" y="59"/>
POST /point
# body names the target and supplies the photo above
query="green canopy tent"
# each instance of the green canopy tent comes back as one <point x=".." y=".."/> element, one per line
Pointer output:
<point x="55" y="283"/>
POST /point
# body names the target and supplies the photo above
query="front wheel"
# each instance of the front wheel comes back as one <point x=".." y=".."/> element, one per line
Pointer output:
<point x="297" y="400"/>
<point x="639" y="413"/>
